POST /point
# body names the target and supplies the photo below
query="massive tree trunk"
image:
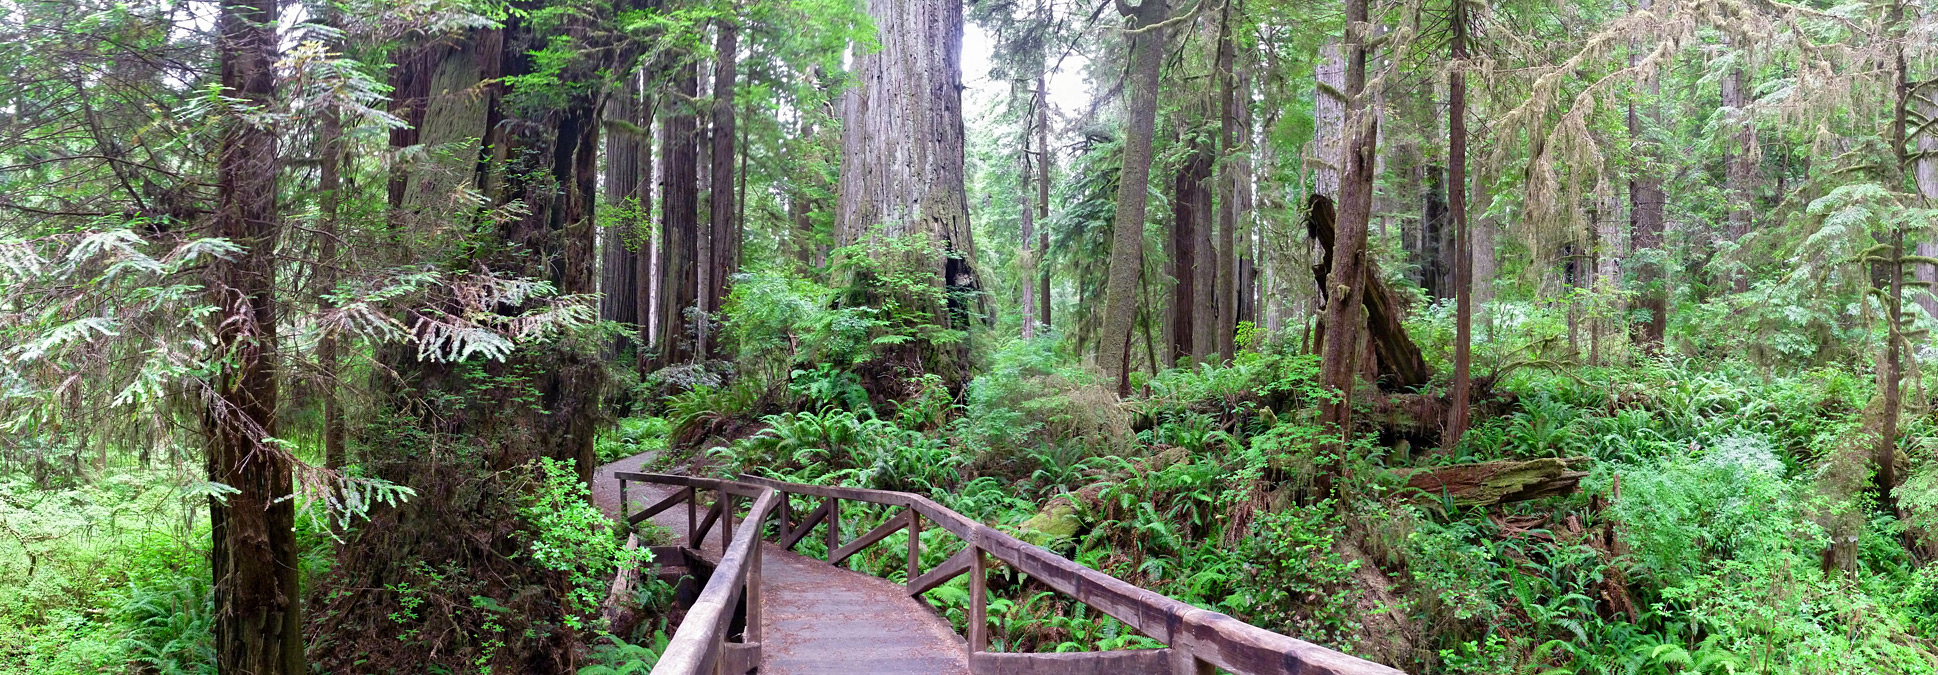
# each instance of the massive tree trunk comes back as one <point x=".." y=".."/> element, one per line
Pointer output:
<point x="902" y="152"/>
<point x="1189" y="199"/>
<point x="258" y="607"/>
<point x="724" y="226"/>
<point x="628" y="246"/>
<point x="1463" y="271"/>
<point x="1346" y="281"/>
<point x="1127" y="236"/>
<point x="679" y="221"/>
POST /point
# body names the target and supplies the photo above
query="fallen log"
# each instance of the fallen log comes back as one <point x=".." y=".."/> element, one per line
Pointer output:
<point x="1501" y="481"/>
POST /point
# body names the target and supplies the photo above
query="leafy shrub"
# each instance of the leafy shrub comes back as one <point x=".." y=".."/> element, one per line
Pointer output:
<point x="566" y="534"/>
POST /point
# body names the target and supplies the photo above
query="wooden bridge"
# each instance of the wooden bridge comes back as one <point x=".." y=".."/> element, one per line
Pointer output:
<point x="769" y="610"/>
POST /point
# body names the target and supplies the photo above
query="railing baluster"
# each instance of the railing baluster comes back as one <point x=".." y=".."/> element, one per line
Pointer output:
<point x="978" y="601"/>
<point x="625" y="506"/>
<point x="834" y="525"/>
<point x="753" y="582"/>
<point x="692" y="516"/>
<point x="914" y="544"/>
<point x="726" y="519"/>
<point x="787" y="517"/>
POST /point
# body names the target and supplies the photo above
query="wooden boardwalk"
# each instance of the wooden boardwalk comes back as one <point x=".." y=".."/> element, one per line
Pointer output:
<point x="819" y="619"/>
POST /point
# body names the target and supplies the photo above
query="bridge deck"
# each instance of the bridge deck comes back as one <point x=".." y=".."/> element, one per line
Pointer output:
<point x="817" y="618"/>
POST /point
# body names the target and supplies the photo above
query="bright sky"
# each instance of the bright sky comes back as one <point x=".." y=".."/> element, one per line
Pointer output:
<point x="1068" y="91"/>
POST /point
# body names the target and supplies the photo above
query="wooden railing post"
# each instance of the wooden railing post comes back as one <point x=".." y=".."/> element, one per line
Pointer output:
<point x="787" y="518"/>
<point x="1183" y="663"/>
<point x="692" y="516"/>
<point x="625" y="506"/>
<point x="752" y="591"/>
<point x="726" y="519"/>
<point x="978" y="601"/>
<point x="834" y="525"/>
<point x="914" y="545"/>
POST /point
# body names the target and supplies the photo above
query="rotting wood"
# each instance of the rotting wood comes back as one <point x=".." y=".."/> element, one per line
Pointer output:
<point x="1500" y="481"/>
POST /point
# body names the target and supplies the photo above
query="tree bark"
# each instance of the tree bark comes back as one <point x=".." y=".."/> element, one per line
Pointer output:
<point x="627" y="245"/>
<point x="1127" y="237"/>
<point x="258" y="608"/>
<point x="329" y="138"/>
<point x="1043" y="196"/>
<point x="679" y="221"/>
<point x="1346" y="283"/>
<point x="1226" y="256"/>
<point x="1026" y="190"/>
<point x="1188" y="200"/>
<point x="724" y="227"/>
<point x="902" y="165"/>
<point x="1463" y="272"/>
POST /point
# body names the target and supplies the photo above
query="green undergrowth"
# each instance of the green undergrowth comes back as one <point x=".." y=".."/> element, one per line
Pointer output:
<point x="1724" y="525"/>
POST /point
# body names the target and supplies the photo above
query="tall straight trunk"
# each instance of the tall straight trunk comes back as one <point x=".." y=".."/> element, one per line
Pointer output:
<point x="1463" y="271"/>
<point x="1891" y="370"/>
<point x="1926" y="173"/>
<point x="1188" y="201"/>
<point x="258" y="608"/>
<point x="679" y="221"/>
<point x="1248" y="276"/>
<point x="1043" y="196"/>
<point x="329" y="138"/>
<point x="1227" y="249"/>
<point x="800" y="206"/>
<point x="1741" y="164"/>
<point x="625" y="195"/>
<point x="1028" y="217"/>
<point x="1346" y="280"/>
<point x="1127" y="236"/>
<point x="902" y="164"/>
<point x="1204" y="261"/>
<point x="724" y="226"/>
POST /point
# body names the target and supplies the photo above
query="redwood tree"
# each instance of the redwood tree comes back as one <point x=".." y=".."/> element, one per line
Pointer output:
<point x="902" y="162"/>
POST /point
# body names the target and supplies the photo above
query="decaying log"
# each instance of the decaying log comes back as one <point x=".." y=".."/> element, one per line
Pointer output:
<point x="1401" y="367"/>
<point x="1501" y="481"/>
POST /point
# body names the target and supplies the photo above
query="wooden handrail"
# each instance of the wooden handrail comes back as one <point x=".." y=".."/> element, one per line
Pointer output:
<point x="1198" y="638"/>
<point x="700" y="642"/>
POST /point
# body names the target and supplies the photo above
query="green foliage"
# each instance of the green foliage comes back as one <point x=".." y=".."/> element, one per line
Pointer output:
<point x="564" y="533"/>
<point x="635" y="435"/>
